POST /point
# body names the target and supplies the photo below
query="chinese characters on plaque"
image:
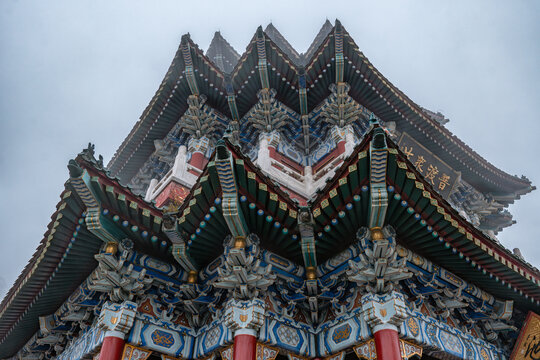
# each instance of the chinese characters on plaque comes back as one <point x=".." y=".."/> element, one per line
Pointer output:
<point x="441" y="176"/>
<point x="527" y="346"/>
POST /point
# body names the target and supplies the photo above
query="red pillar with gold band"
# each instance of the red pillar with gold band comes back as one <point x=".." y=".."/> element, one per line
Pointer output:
<point x="116" y="320"/>
<point x="387" y="342"/>
<point x="113" y="346"/>
<point x="384" y="313"/>
<point x="245" y="344"/>
<point x="244" y="318"/>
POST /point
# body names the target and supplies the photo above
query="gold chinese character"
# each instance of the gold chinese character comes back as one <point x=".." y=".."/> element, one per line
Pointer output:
<point x="444" y="181"/>
<point x="408" y="151"/>
<point x="432" y="171"/>
<point x="419" y="162"/>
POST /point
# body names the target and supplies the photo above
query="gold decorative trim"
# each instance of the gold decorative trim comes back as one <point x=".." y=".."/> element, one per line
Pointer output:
<point x="325" y="203"/>
<point x="366" y="350"/>
<point x="409" y="349"/>
<point x="338" y="356"/>
<point x="135" y="353"/>
<point x="227" y="353"/>
<point x="292" y="356"/>
<point x="265" y="352"/>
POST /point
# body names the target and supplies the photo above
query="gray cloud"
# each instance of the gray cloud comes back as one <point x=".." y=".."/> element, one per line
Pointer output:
<point x="74" y="72"/>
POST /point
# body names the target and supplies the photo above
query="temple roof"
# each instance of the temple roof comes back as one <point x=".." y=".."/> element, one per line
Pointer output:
<point x="368" y="87"/>
<point x="424" y="221"/>
<point x="65" y="256"/>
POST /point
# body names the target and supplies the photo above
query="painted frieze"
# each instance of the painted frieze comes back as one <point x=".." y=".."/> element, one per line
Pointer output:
<point x="86" y="343"/>
<point x="443" y="338"/>
<point x="162" y="339"/>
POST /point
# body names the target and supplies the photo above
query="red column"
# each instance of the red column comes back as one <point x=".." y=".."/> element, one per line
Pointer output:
<point x="341" y="147"/>
<point x="197" y="160"/>
<point x="272" y="151"/>
<point x="245" y="344"/>
<point x="113" y="346"/>
<point x="387" y="342"/>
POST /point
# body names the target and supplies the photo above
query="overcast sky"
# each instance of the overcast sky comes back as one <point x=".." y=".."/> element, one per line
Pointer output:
<point x="80" y="71"/>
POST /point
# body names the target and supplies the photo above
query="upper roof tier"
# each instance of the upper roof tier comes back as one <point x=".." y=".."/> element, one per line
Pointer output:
<point x="231" y="84"/>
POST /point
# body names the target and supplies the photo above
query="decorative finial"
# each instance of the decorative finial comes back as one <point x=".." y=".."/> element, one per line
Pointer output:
<point x="88" y="154"/>
<point x="185" y="37"/>
<point x="373" y="120"/>
<point x="100" y="161"/>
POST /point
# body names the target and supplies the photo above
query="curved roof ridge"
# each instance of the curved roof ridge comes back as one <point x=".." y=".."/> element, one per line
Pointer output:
<point x="418" y="110"/>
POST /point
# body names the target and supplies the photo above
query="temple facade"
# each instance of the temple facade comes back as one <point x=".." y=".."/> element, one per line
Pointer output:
<point x="279" y="205"/>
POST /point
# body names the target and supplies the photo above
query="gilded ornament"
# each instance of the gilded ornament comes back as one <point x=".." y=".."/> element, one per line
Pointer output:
<point x="376" y="234"/>
<point x="239" y="242"/>
<point x="111" y="247"/>
<point x="311" y="273"/>
<point x="192" y="277"/>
